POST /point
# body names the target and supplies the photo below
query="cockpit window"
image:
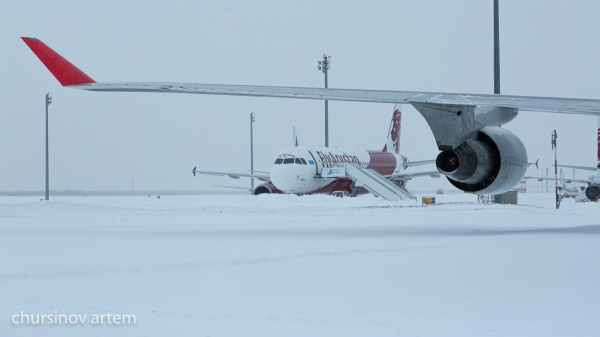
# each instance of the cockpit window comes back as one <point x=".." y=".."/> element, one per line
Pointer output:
<point x="303" y="161"/>
<point x="288" y="161"/>
<point x="278" y="161"/>
<point x="297" y="161"/>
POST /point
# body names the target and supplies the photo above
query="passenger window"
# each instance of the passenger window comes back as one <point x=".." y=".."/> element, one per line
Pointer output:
<point x="303" y="161"/>
<point x="288" y="161"/>
<point x="297" y="161"/>
<point x="278" y="161"/>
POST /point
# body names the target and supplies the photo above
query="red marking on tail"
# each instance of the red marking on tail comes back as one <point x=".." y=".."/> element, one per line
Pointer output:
<point x="393" y="141"/>
<point x="64" y="71"/>
<point x="395" y="132"/>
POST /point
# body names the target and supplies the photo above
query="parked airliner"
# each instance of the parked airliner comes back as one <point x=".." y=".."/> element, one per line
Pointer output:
<point x="308" y="170"/>
<point x="592" y="192"/>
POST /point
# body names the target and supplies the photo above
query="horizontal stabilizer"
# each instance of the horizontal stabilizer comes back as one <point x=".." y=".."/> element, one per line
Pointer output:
<point x="418" y="163"/>
<point x="536" y="164"/>
<point x="409" y="176"/>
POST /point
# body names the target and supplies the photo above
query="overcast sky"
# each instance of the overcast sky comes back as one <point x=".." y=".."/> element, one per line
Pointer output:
<point x="101" y="141"/>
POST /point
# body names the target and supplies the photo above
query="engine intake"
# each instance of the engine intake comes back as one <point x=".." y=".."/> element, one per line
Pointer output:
<point x="266" y="188"/>
<point x="593" y="193"/>
<point x="262" y="189"/>
<point x="492" y="163"/>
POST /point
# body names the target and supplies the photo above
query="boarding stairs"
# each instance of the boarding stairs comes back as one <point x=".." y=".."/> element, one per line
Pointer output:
<point x="375" y="183"/>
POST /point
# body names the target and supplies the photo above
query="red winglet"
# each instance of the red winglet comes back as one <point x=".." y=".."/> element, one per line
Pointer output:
<point x="64" y="71"/>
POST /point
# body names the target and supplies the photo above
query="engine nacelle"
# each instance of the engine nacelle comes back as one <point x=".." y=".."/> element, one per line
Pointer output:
<point x="266" y="188"/>
<point x="492" y="163"/>
<point x="593" y="192"/>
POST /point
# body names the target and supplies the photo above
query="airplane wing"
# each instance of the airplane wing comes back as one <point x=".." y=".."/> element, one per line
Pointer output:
<point x="520" y="103"/>
<point x="409" y="176"/>
<point x="584" y="181"/>
<point x="236" y="187"/>
<point x="259" y="171"/>
<point x="488" y="114"/>
<point x="588" y="168"/>
<point x="263" y="177"/>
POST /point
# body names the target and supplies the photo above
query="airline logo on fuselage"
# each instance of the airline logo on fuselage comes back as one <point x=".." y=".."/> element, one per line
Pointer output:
<point x="337" y="158"/>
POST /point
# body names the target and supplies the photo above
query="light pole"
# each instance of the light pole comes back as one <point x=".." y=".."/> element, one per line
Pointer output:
<point x="324" y="66"/>
<point x="48" y="102"/>
<point x="554" y="136"/>
<point x="496" y="49"/>
<point x="547" y="169"/>
<point x="252" y="119"/>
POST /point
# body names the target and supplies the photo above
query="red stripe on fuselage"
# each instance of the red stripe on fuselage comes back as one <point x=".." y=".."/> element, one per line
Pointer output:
<point x="383" y="163"/>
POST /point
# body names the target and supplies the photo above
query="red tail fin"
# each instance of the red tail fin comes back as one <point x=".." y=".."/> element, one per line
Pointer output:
<point x="64" y="71"/>
<point x="393" y="140"/>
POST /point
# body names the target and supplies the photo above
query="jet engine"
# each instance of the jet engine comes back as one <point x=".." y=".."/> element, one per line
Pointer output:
<point x="266" y="188"/>
<point x="493" y="162"/>
<point x="593" y="192"/>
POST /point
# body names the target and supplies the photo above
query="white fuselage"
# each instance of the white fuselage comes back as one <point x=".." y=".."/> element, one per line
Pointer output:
<point x="299" y="169"/>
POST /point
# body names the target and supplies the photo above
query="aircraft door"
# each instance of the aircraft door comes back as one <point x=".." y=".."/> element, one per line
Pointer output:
<point x="318" y="162"/>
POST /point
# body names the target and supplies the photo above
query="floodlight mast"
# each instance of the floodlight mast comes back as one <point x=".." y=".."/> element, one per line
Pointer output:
<point x="48" y="102"/>
<point x="547" y="169"/>
<point x="324" y="66"/>
<point x="252" y="119"/>
<point x="496" y="49"/>
<point x="554" y="136"/>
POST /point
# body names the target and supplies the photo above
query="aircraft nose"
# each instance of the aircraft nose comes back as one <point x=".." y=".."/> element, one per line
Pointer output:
<point x="280" y="177"/>
<point x="286" y="177"/>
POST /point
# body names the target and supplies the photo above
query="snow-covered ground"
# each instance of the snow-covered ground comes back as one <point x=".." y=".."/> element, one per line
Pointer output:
<point x="282" y="265"/>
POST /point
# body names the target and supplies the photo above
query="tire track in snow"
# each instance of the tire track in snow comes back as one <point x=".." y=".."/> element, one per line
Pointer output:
<point x="233" y="262"/>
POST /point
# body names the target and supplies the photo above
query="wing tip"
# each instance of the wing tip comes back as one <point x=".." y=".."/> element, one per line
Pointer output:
<point x="64" y="71"/>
